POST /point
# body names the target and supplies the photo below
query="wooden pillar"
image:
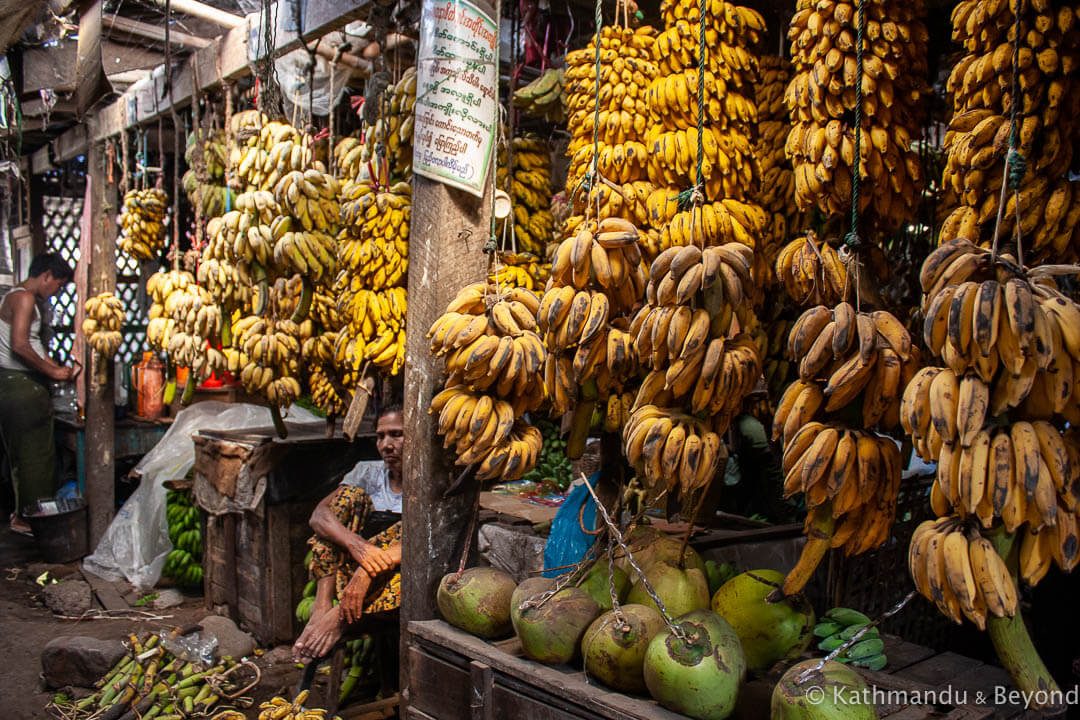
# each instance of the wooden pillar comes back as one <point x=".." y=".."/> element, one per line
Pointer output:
<point x="100" y="457"/>
<point x="449" y="229"/>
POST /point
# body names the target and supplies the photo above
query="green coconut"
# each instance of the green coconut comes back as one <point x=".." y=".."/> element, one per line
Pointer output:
<point x="614" y="653"/>
<point x="769" y="632"/>
<point x="551" y="633"/>
<point x="681" y="590"/>
<point x="477" y="601"/>
<point x="835" y="692"/>
<point x="699" y="674"/>
<point x="597" y="585"/>
<point x="649" y="545"/>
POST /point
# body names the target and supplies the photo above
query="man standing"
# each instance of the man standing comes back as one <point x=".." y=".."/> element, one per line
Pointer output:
<point x="26" y="420"/>
<point x="363" y="575"/>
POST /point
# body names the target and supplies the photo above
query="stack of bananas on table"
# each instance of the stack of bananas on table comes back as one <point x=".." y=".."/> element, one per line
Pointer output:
<point x="204" y="182"/>
<point x="265" y="153"/>
<point x="545" y="97"/>
<point x="279" y="708"/>
<point x="493" y="356"/>
<point x="184" y="562"/>
<point x="373" y="245"/>
<point x="958" y="569"/>
<point x="992" y="418"/>
<point x="822" y="98"/>
<point x="265" y="354"/>
<point x="104" y="317"/>
<point x="142" y="218"/>
<point x="978" y="134"/>
<point x="393" y="130"/>
<point x="852" y="370"/>
<point x="777" y="193"/>
<point x="531" y="223"/>
<point x="626" y="69"/>
<point x="837" y="626"/>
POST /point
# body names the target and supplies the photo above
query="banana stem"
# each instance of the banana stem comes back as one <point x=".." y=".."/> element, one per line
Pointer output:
<point x="279" y="424"/>
<point x="1014" y="647"/>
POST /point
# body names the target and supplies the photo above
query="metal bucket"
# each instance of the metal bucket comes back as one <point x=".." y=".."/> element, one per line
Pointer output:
<point x="60" y="528"/>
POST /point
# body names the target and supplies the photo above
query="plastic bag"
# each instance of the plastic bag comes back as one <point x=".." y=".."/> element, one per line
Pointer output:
<point x="136" y="542"/>
<point x="196" y="647"/>
<point x="568" y="543"/>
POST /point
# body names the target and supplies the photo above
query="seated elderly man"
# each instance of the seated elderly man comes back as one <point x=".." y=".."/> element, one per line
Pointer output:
<point x="356" y="551"/>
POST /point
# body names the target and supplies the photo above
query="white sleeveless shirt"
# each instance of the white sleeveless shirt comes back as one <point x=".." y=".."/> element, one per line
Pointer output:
<point x="8" y="359"/>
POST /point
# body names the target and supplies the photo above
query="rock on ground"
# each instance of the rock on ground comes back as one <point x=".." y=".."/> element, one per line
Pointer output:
<point x="77" y="660"/>
<point x="71" y="597"/>
<point x="231" y="639"/>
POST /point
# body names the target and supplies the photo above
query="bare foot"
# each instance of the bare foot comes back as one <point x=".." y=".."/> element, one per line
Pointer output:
<point x="320" y="634"/>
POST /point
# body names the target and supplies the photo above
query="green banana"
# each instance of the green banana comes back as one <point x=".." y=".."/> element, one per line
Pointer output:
<point x="875" y="662"/>
<point x="827" y="628"/>
<point x="847" y="616"/>
<point x="864" y="649"/>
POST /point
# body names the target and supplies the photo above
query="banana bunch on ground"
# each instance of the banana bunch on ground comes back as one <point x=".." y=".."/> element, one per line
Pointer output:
<point x="142" y="223"/>
<point x="978" y="133"/>
<point x="846" y="355"/>
<point x="374" y="330"/>
<point x="545" y="97"/>
<point x="955" y="567"/>
<point x="279" y="708"/>
<point x="104" y="318"/>
<point x="394" y="129"/>
<point x="266" y="357"/>
<point x="184" y="562"/>
<point x="812" y="271"/>
<point x="777" y="193"/>
<point x="310" y="196"/>
<point x="373" y="245"/>
<point x="822" y="96"/>
<point x="528" y="183"/>
<point x="626" y="69"/>
<point x="493" y="356"/>
<point x="265" y="154"/>
<point x="837" y="626"/>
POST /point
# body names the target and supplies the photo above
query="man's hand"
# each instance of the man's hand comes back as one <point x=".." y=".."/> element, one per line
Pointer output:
<point x="352" y="599"/>
<point x="62" y="374"/>
<point x="372" y="559"/>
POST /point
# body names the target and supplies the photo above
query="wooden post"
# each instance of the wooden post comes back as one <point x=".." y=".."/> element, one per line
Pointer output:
<point x="100" y="432"/>
<point x="449" y="229"/>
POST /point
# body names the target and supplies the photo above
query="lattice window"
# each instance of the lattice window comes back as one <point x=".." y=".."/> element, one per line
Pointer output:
<point x="62" y="218"/>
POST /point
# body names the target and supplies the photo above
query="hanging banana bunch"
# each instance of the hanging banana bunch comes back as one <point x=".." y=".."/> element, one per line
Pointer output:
<point x="104" y="318"/>
<point x="1043" y="62"/>
<point x="142" y="218"/>
<point x="265" y="151"/>
<point x="160" y="287"/>
<point x="529" y="185"/>
<point x="545" y="97"/>
<point x="822" y="97"/>
<point x="393" y="131"/>
<point x="204" y="182"/>
<point x="197" y="325"/>
<point x="493" y="355"/>
<point x="626" y="69"/>
<point x="347" y="158"/>
<point x="304" y="235"/>
<point x="266" y="356"/>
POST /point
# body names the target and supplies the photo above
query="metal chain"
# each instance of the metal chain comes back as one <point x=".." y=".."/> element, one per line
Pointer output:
<point x="852" y="239"/>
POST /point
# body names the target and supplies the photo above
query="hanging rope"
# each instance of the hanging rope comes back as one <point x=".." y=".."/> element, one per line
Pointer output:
<point x="125" y="162"/>
<point x="1015" y="162"/>
<point x="852" y="240"/>
<point x="592" y="182"/>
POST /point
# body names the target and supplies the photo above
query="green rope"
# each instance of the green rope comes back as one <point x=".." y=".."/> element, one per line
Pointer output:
<point x="702" y="50"/>
<point x="852" y="239"/>
<point x="593" y="180"/>
<point x="1016" y="162"/>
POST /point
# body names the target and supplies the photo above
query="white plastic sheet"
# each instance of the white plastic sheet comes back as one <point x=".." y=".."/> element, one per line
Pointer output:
<point x="136" y="543"/>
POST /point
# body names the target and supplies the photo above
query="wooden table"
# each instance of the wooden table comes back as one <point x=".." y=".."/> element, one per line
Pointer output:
<point x="454" y="675"/>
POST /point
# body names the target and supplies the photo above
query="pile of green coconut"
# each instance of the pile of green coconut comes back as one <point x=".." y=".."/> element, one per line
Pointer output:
<point x="691" y="653"/>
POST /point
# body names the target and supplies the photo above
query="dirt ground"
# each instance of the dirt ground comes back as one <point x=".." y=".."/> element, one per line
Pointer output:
<point x="26" y="625"/>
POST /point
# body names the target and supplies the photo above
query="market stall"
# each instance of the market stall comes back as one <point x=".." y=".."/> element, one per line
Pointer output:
<point x="735" y="345"/>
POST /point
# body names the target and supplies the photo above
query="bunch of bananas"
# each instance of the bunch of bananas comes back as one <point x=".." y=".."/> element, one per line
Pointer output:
<point x="266" y="356"/>
<point x="528" y="183"/>
<point x="104" y="318"/>
<point x="160" y="287"/>
<point x="777" y="193"/>
<point x="626" y="69"/>
<point x="312" y="253"/>
<point x="493" y="355"/>
<point x="214" y="150"/>
<point x="822" y="96"/>
<point x="184" y="562"/>
<point x="204" y="182"/>
<point x="675" y="452"/>
<point x="212" y="199"/>
<point x="545" y="97"/>
<point x="325" y="394"/>
<point x="837" y="626"/>
<point x="520" y="269"/>
<point x="608" y="259"/>
<point x="978" y="134"/>
<point x="244" y="234"/>
<point x="142" y="218"/>
<point x="279" y="708"/>
<point x="265" y="153"/>
<point x="394" y="128"/>
<point x="958" y="569"/>
<point x="373" y="245"/>
<point x="310" y="196"/>
<point x="348" y="154"/>
<point x="554" y="468"/>
<point x="722" y="221"/>
<point x="812" y="271"/>
<point x="230" y="284"/>
<point x="615" y="412"/>
<point x="374" y="329"/>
